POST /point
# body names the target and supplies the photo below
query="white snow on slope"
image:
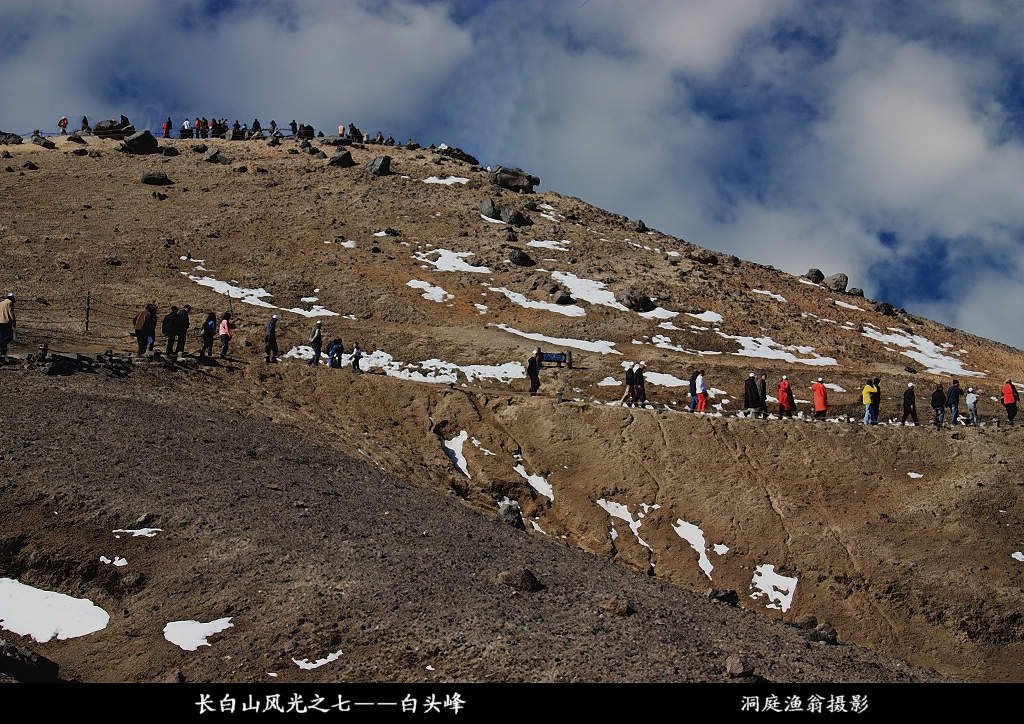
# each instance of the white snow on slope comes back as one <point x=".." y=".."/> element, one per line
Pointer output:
<point x="446" y="181"/>
<point x="306" y="664"/>
<point x="43" y="615"/>
<point x="453" y="449"/>
<point x="434" y="294"/>
<point x="190" y="635"/>
<point x="915" y="476"/>
<point x="609" y="382"/>
<point x="921" y="350"/>
<point x="436" y="371"/>
<point x="620" y="511"/>
<point x="658" y="313"/>
<point x="773" y="295"/>
<point x="537" y="482"/>
<point x="449" y="260"/>
<point x="709" y="316"/>
<point x="489" y="219"/>
<point x="255" y="297"/>
<point x="600" y="346"/>
<point x="834" y="387"/>
<point x="1017" y="556"/>
<point x="845" y="305"/>
<point x="587" y="289"/>
<point x="768" y="348"/>
<point x="562" y="245"/>
<point x="569" y="310"/>
<point x="695" y="537"/>
<point x="778" y="589"/>
<point x="142" y="532"/>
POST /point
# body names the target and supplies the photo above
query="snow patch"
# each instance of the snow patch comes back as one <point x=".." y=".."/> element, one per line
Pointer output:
<point x="695" y="537"/>
<point x="720" y="548"/>
<point x="599" y="346"/>
<point x="446" y="181"/>
<point x="453" y="449"/>
<point x="569" y="310"/>
<point x="777" y="588"/>
<point x="450" y="261"/>
<point x="587" y="289"/>
<point x="773" y="295"/>
<point x="659" y="313"/>
<point x="915" y="476"/>
<point x="562" y="245"/>
<point x="140" y="532"/>
<point x="620" y="511"/>
<point x="43" y="615"/>
<point x="434" y="294"/>
<point x="845" y="305"/>
<point x="190" y="635"/>
<point x="306" y="664"/>
<point x="768" y="348"/>
<point x="1018" y="556"/>
<point x="834" y="387"/>
<point x="921" y="350"/>
<point x="709" y="316"/>
<point x="609" y="382"/>
<point x="490" y="220"/>
<point x="537" y="482"/>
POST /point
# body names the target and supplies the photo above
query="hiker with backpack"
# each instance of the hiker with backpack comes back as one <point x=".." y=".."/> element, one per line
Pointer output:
<point x="630" y="391"/>
<point x="207" y="333"/>
<point x="225" y="334"/>
<point x="145" y="328"/>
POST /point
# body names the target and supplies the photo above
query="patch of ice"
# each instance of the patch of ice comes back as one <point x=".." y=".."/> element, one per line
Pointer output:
<point x="480" y="447"/>
<point x="306" y="664"/>
<point x="481" y="307"/>
<point x="777" y="588"/>
<point x="664" y="380"/>
<point x="695" y="537"/>
<point x="536" y="527"/>
<point x="349" y="244"/>
<point x="709" y="316"/>
<point x="446" y="181"/>
<point x="143" y="532"/>
<point x="547" y="207"/>
<point x="380" y="233"/>
<point x="450" y="261"/>
<point x="609" y="382"/>
<point x="562" y="245"/>
<point x="536" y="482"/>
<point x="667" y="325"/>
<point x="118" y="561"/>
<point x="846" y="305"/>
<point x="915" y="476"/>
<point x="599" y="346"/>
<point x="308" y="299"/>
<point x="190" y="635"/>
<point x="254" y="297"/>
<point x="587" y="290"/>
<point x="569" y="310"/>
<point x="29" y="611"/>
<point x="773" y="295"/>
<point x="434" y="294"/>
<point x="807" y="281"/>
<point x="453" y="449"/>
<point x="659" y="313"/>
<point x="1018" y="556"/>
<point x="620" y="511"/>
<point x="720" y="548"/>
<point x="921" y="350"/>
<point x="490" y="220"/>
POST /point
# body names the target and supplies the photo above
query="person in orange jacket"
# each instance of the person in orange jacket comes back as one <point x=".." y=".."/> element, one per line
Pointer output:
<point x="62" y="124"/>
<point x="820" y="399"/>
<point x="785" y="395"/>
<point x="167" y="127"/>
<point x="1010" y="399"/>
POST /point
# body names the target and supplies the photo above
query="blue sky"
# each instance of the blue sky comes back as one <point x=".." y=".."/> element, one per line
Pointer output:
<point x="884" y="140"/>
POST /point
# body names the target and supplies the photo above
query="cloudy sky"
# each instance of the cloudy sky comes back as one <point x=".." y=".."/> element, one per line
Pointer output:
<point x="881" y="139"/>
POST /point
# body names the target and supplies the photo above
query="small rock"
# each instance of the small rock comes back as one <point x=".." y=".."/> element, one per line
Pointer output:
<point x="379" y="165"/>
<point x="112" y="261"/>
<point x="519" y="257"/>
<point x="141" y="143"/>
<point x="274" y="141"/>
<point x="733" y="260"/>
<point x="212" y="156"/>
<point x="885" y="308"/>
<point x="637" y="300"/>
<point x="155" y="178"/>
<point x="703" y="256"/>
<point x="521" y="579"/>
<point x="28" y="165"/>
<point x="5" y="154"/>
<point x="856" y="292"/>
<point x="169" y="151"/>
<point x="392" y="232"/>
<point x="241" y="169"/>
<point x="836" y="282"/>
<point x="488" y="209"/>
<point x="514" y="179"/>
<point x="510" y="234"/>
<point x="80" y="152"/>
<point x="560" y="296"/>
<point x="640" y="226"/>
<point x="619" y="606"/>
<point x="200" y="148"/>
<point x="724" y="595"/>
<point x="44" y="142"/>
<point x="814" y="275"/>
<point x="736" y="667"/>
<point x="342" y="159"/>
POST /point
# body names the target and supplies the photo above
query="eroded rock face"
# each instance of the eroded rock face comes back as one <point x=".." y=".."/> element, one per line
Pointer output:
<point x="836" y="282"/>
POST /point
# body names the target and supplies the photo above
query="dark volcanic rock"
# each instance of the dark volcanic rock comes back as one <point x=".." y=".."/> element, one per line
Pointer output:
<point x="519" y="257"/>
<point x="459" y="155"/>
<point x="212" y="156"/>
<point x="28" y="165"/>
<point x="5" y="154"/>
<point x="885" y="308"/>
<point x="703" y="256"/>
<point x="511" y="513"/>
<point x="637" y="300"/>
<point x="200" y="148"/>
<point x="25" y="665"/>
<point x="724" y="595"/>
<point x="273" y="141"/>
<point x="44" y="142"/>
<point x="155" y="178"/>
<point x="379" y="165"/>
<point x="514" y="179"/>
<point x="488" y="209"/>
<point x="169" y="151"/>
<point x="342" y="159"/>
<point x="521" y="579"/>
<point x="80" y="152"/>
<point x="640" y="226"/>
<point x="12" y="139"/>
<point x="513" y="216"/>
<point x="855" y="292"/>
<point x="76" y="137"/>
<point x="114" y="129"/>
<point x="814" y="275"/>
<point x="141" y="143"/>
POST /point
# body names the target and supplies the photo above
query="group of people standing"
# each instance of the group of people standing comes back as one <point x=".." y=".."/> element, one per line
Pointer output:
<point x="335" y="349"/>
<point x="203" y="128"/>
<point x="175" y="326"/>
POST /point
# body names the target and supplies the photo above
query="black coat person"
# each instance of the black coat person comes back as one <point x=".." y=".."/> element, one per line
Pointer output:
<point x="909" y="404"/>
<point x="533" y="371"/>
<point x="181" y="328"/>
<point x="169" y="328"/>
<point x="762" y="391"/>
<point x="640" y="384"/>
<point x="751" y="395"/>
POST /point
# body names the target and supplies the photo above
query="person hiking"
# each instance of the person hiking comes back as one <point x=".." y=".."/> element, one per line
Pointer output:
<point x="8" y="325"/>
<point x="167" y="127"/>
<point x="762" y="390"/>
<point x="270" y="340"/>
<point x="820" y="399"/>
<point x="334" y="351"/>
<point x="909" y="404"/>
<point x="702" y="392"/>
<point x="356" y="356"/>
<point x="785" y="395"/>
<point x="953" y="402"/>
<point x="62" y="124"/>
<point x="181" y="327"/>
<point x="225" y="334"/>
<point x="207" y="332"/>
<point x="876" y="399"/>
<point x="256" y="127"/>
<point x="145" y="328"/>
<point x="693" y="390"/>
<point x="85" y="125"/>
<point x="533" y="371"/>
<point x="751" y="396"/>
<point x="168" y="327"/>
<point x="972" y="407"/>
<point x="866" y="398"/>
<point x="295" y="127"/>
<point x="640" y="385"/>
<point x="938" y="405"/>
<point x="1010" y="399"/>
<point x="630" y="391"/>
<point x="316" y="341"/>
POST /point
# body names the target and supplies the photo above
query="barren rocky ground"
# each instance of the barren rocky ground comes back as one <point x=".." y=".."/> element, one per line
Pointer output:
<point x="272" y="481"/>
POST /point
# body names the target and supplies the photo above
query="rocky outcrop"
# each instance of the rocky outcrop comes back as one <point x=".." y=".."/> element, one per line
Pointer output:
<point x="637" y="300"/>
<point x="140" y="143"/>
<point x="44" y="142"/>
<point x="459" y="155"/>
<point x="117" y="130"/>
<point x="342" y="159"/>
<point x="10" y="139"/>
<point x="519" y="257"/>
<point x="513" y="179"/>
<point x="508" y="214"/>
<point x="26" y="666"/>
<point x="836" y="282"/>
<point x="379" y="165"/>
<point x="814" y="275"/>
